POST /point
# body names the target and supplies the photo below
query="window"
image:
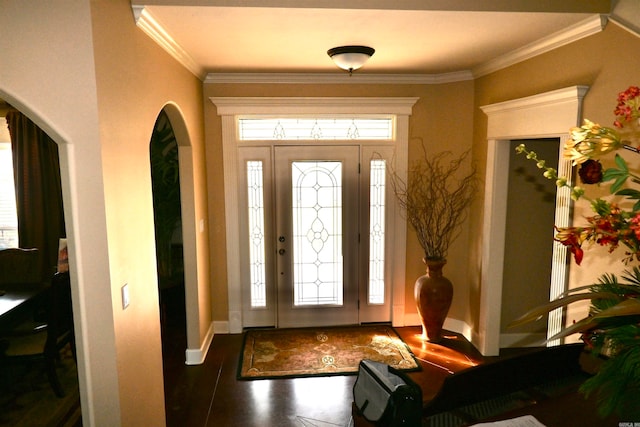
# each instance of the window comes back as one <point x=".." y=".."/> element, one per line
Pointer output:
<point x="325" y="129"/>
<point x="8" y="215"/>
<point x="376" y="231"/>
<point x="255" y="191"/>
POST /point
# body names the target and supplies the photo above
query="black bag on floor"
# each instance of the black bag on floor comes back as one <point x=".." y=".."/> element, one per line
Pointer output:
<point x="387" y="397"/>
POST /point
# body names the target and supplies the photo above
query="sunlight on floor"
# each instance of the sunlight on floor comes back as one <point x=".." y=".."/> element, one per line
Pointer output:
<point x="306" y="393"/>
<point x="260" y="389"/>
<point x="440" y="355"/>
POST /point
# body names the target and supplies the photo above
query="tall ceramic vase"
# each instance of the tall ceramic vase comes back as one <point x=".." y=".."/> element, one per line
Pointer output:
<point x="433" y="293"/>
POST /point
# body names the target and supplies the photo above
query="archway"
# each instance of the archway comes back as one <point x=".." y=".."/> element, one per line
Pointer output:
<point x="52" y="227"/>
<point x="167" y="215"/>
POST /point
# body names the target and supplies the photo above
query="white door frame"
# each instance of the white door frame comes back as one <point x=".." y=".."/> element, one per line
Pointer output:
<point x="230" y="107"/>
<point x="547" y="115"/>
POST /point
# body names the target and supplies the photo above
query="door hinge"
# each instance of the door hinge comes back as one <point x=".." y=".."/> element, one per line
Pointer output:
<point x="359" y="167"/>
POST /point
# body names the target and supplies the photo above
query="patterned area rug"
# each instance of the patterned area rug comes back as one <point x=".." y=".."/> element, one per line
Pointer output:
<point x="290" y="353"/>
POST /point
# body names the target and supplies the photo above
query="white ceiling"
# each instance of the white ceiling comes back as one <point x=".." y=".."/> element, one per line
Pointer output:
<point x="419" y="37"/>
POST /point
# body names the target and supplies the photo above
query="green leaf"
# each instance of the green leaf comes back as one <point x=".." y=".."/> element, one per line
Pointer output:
<point x="629" y="192"/>
<point x="618" y="183"/>
<point x="628" y="307"/>
<point x="621" y="163"/>
<point x="613" y="173"/>
<point x="540" y="311"/>
<point x="580" y="326"/>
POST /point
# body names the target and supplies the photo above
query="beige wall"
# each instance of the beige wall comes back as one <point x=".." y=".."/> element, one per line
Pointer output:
<point x="607" y="64"/>
<point x="442" y="118"/>
<point x="60" y="96"/>
<point x="85" y="74"/>
<point x="95" y="83"/>
<point x="135" y="80"/>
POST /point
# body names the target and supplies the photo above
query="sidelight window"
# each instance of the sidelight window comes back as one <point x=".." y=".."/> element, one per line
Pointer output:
<point x="376" y="231"/>
<point x="255" y="192"/>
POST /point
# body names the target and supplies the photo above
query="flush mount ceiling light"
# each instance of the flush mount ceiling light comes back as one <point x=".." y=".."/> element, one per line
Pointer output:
<point x="350" y="58"/>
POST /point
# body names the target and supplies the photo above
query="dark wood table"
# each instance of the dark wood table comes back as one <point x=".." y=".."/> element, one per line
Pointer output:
<point x="17" y="300"/>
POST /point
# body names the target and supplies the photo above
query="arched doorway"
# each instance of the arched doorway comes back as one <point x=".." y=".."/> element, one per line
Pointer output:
<point x="167" y="213"/>
<point x="24" y="387"/>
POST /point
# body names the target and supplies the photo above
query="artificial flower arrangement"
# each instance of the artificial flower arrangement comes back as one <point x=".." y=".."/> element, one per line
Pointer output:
<point x="612" y="328"/>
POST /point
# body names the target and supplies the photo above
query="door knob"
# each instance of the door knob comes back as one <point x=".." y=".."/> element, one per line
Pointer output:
<point x="281" y="251"/>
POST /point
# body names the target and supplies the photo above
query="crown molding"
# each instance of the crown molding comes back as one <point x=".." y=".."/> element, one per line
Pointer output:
<point x="150" y="25"/>
<point x="147" y="23"/>
<point x="541" y="115"/>
<point x="625" y="25"/>
<point x="311" y="105"/>
<point x="336" y="78"/>
<point x="589" y="26"/>
<point x="553" y="97"/>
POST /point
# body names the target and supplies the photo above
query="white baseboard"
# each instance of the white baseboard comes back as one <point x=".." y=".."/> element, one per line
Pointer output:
<point x="235" y="322"/>
<point x="221" y="327"/>
<point x="196" y="356"/>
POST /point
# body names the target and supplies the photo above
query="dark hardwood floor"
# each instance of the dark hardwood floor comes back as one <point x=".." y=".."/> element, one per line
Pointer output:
<point x="210" y="395"/>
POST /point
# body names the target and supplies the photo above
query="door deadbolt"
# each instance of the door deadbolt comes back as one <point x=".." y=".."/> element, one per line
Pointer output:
<point x="281" y="239"/>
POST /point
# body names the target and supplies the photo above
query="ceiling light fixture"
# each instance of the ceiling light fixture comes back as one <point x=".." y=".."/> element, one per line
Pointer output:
<point x="350" y="58"/>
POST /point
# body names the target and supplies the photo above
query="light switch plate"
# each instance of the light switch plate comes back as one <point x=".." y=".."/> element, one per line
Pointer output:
<point x="125" y="296"/>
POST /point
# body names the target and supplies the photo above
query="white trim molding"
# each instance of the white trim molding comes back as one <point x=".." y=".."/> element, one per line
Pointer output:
<point x="231" y="107"/>
<point x="591" y="25"/>
<point x="154" y="29"/>
<point x="588" y="27"/>
<point x="150" y="25"/>
<point x="228" y="106"/>
<point x="625" y="25"/>
<point x="545" y="115"/>
<point x="337" y="78"/>
<point x="197" y="356"/>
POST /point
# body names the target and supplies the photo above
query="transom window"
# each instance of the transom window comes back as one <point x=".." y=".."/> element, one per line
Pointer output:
<point x="323" y="129"/>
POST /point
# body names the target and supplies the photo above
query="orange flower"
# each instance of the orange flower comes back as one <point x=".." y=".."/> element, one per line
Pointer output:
<point x="572" y="237"/>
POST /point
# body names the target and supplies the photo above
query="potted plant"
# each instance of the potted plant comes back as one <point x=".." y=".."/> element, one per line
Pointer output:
<point x="611" y="330"/>
<point x="435" y="199"/>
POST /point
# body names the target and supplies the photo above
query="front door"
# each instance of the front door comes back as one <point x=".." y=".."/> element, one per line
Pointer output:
<point x="316" y="217"/>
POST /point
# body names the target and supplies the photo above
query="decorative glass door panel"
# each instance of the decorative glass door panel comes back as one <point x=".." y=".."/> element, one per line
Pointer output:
<point x="317" y="232"/>
<point x="317" y="229"/>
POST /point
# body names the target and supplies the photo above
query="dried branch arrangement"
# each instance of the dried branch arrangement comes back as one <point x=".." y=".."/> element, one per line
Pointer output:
<point x="435" y="200"/>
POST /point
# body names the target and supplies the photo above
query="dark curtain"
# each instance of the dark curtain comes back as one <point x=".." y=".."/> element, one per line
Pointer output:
<point x="36" y="169"/>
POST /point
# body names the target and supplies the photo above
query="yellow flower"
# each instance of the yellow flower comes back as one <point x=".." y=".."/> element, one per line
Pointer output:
<point x="590" y="141"/>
